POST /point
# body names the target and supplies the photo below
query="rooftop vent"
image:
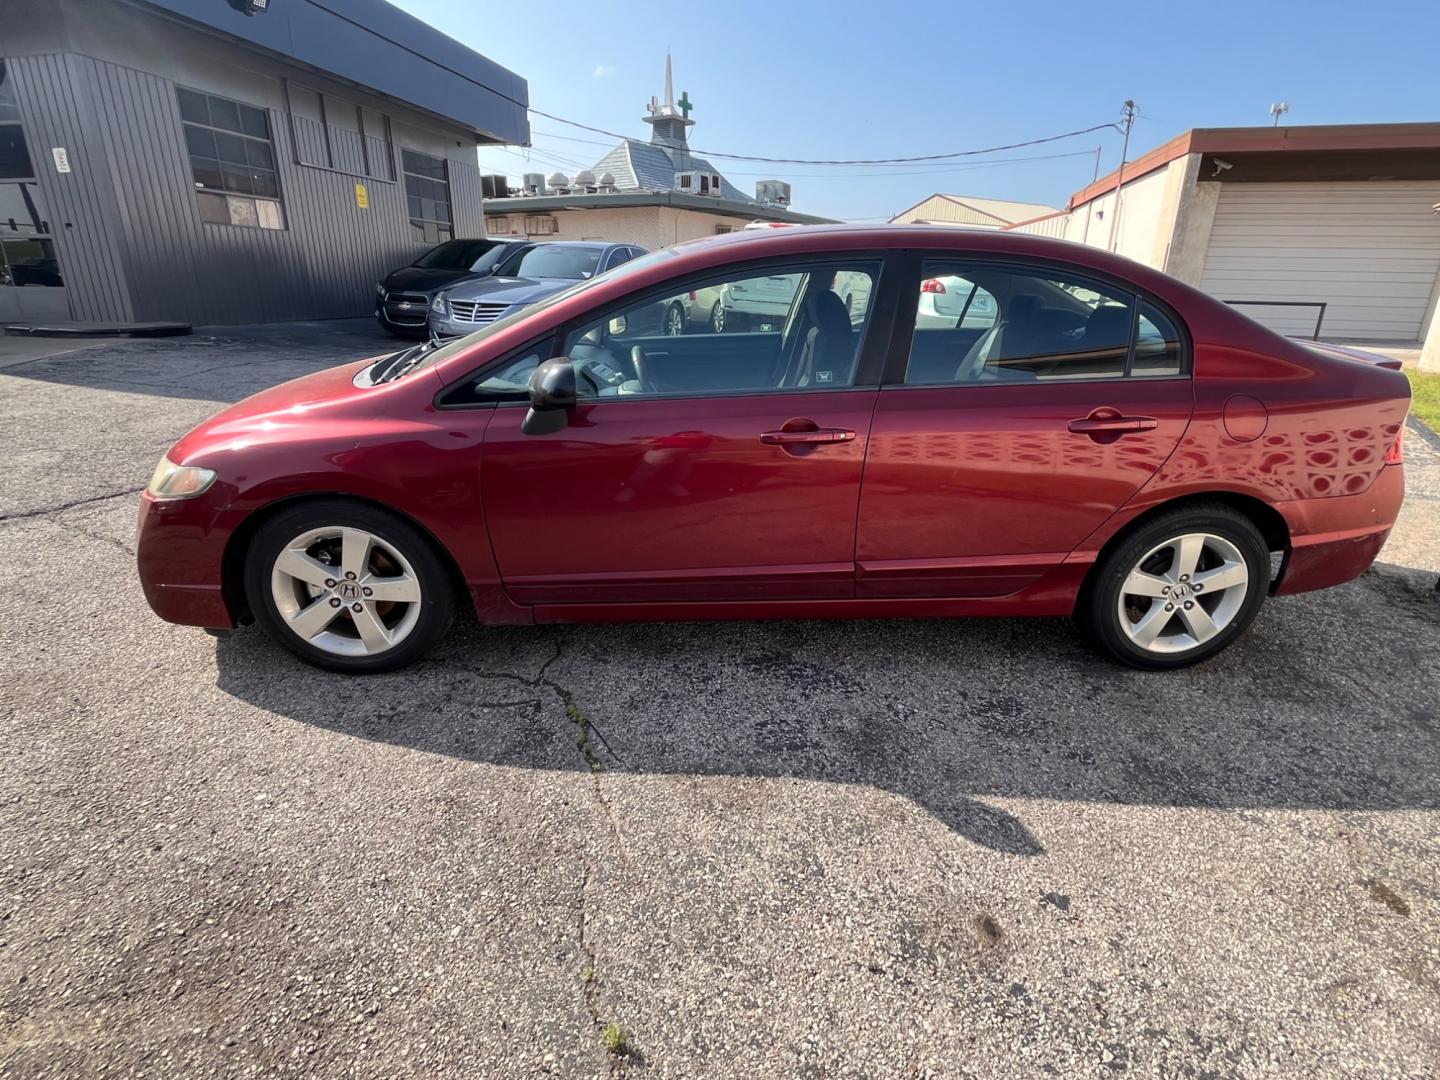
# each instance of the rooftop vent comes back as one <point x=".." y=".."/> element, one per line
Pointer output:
<point x="772" y="193"/>
<point x="533" y="184"/>
<point x="584" y="181"/>
<point x="607" y="181"/>
<point x="559" y="184"/>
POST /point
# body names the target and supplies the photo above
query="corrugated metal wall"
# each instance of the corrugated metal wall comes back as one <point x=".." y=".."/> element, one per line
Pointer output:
<point x="81" y="204"/>
<point x="134" y="221"/>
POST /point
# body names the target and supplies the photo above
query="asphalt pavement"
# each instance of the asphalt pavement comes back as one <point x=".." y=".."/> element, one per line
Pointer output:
<point x="864" y="849"/>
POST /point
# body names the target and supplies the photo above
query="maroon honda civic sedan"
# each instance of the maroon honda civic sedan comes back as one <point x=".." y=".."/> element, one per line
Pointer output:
<point x="908" y="422"/>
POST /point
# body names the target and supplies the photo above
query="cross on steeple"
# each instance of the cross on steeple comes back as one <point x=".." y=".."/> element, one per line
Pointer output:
<point x="685" y="104"/>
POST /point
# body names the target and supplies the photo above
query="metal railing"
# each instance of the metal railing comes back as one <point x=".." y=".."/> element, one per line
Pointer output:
<point x="1319" y="319"/>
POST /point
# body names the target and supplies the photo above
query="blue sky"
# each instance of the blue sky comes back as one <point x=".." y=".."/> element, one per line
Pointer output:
<point x="835" y="80"/>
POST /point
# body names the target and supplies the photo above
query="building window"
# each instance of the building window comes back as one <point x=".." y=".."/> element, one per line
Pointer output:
<point x="540" y="225"/>
<point x="333" y="133"/>
<point x="232" y="160"/>
<point x="27" y="254"/>
<point x="14" y="154"/>
<point x="427" y="194"/>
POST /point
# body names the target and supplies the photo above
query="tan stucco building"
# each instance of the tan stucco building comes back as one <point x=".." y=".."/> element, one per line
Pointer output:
<point x="1283" y="220"/>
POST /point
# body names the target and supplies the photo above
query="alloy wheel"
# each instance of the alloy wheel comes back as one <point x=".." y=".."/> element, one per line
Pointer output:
<point x="345" y="591"/>
<point x="1183" y="592"/>
<point x="717" y="318"/>
<point x="674" y="322"/>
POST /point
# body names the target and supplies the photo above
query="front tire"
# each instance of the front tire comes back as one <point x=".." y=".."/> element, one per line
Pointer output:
<point x="349" y="587"/>
<point x="717" y="318"/>
<point x="1179" y="589"/>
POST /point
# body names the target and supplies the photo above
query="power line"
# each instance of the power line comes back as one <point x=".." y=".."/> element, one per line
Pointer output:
<point x="940" y="169"/>
<point x="847" y="161"/>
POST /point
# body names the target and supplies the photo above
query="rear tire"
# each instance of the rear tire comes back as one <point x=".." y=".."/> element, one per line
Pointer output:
<point x="1142" y="605"/>
<point x="348" y="586"/>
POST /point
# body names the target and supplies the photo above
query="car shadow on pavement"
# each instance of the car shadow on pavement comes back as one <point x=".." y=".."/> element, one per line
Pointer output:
<point x="1328" y="703"/>
<point x="220" y="364"/>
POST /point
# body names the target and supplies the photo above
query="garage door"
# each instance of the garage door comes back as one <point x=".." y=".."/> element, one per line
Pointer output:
<point x="1370" y="250"/>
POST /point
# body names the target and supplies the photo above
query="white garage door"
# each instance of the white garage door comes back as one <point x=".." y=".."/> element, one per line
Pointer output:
<point x="1370" y="250"/>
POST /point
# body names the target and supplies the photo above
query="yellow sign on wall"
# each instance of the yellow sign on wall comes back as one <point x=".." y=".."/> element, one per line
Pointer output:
<point x="362" y="197"/>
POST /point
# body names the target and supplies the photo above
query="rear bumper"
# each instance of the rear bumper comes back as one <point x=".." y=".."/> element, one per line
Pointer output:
<point x="1335" y="540"/>
<point x="180" y="555"/>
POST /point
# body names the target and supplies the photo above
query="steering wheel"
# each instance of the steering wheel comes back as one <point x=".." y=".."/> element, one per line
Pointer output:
<point x="642" y="371"/>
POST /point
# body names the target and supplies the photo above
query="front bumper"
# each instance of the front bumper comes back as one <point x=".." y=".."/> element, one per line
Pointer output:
<point x="180" y="554"/>
<point x="405" y="313"/>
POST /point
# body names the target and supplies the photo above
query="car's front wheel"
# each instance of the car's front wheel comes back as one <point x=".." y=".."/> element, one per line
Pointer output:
<point x="348" y="586"/>
<point x="717" y="318"/>
<point x="1179" y="589"/>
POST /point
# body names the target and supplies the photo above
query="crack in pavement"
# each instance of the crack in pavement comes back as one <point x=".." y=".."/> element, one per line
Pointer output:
<point x="589" y="971"/>
<point x="48" y="510"/>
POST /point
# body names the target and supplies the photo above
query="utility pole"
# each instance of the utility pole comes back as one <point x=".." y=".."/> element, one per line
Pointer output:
<point x="1120" y="177"/>
<point x="1089" y="213"/>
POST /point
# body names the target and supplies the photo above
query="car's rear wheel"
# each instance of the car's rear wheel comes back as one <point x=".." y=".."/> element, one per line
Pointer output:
<point x="347" y="586"/>
<point x="717" y="318"/>
<point x="674" y="321"/>
<point x="1179" y="589"/>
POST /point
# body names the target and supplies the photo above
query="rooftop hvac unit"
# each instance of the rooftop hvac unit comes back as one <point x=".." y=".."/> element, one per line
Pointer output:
<point x="772" y="193"/>
<point x="533" y="184"/>
<point x="494" y="186"/>
<point x="559" y="184"/>
<point x="698" y="183"/>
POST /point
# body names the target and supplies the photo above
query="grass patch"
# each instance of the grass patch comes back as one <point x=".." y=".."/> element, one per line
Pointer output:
<point x="1425" y="388"/>
<point x="616" y="1040"/>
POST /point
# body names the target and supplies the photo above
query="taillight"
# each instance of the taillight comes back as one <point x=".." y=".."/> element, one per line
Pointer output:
<point x="692" y="294"/>
<point x="1396" y="454"/>
<point x="931" y="285"/>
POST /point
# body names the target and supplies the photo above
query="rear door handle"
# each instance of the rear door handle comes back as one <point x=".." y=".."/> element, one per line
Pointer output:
<point x="807" y="438"/>
<point x="1102" y="421"/>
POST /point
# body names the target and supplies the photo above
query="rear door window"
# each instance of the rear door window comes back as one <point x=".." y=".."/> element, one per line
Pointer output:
<point x="978" y="323"/>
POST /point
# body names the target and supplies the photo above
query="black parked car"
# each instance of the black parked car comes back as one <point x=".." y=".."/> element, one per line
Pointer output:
<point x="402" y="300"/>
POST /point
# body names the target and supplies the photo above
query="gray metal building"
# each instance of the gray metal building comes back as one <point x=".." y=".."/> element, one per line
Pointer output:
<point x="182" y="160"/>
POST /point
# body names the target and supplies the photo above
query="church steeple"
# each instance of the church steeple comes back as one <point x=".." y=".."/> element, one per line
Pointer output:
<point x="669" y="121"/>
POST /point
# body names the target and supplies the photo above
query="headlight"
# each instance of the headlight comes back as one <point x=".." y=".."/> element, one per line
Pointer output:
<point x="380" y="289"/>
<point x="172" y="481"/>
<point x="439" y="306"/>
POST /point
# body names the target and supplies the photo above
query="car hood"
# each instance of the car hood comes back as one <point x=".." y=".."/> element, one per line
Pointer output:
<point x="422" y="280"/>
<point x="498" y="290"/>
<point x="309" y="402"/>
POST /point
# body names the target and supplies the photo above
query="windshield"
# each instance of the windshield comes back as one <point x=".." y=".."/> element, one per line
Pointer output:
<point x="457" y="255"/>
<point x="553" y="261"/>
<point x="486" y="262"/>
<point x="428" y="355"/>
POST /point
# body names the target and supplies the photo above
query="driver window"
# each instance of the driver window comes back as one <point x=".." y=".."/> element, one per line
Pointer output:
<point x="798" y="327"/>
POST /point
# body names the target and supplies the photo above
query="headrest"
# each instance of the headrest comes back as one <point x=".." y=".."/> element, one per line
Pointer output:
<point x="827" y="312"/>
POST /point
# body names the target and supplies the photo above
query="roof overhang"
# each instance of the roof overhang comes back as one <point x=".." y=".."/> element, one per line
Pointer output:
<point x="375" y="45"/>
<point x="619" y="200"/>
<point x="1319" y="152"/>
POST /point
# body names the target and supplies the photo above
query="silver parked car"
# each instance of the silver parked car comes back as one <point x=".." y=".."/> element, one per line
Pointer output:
<point x="529" y="275"/>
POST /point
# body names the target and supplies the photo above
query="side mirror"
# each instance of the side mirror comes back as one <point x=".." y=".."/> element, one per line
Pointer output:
<point x="552" y="393"/>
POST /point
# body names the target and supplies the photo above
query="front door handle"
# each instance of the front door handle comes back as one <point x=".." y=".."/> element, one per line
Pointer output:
<point x="806" y="438"/>
<point x="1107" y="421"/>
